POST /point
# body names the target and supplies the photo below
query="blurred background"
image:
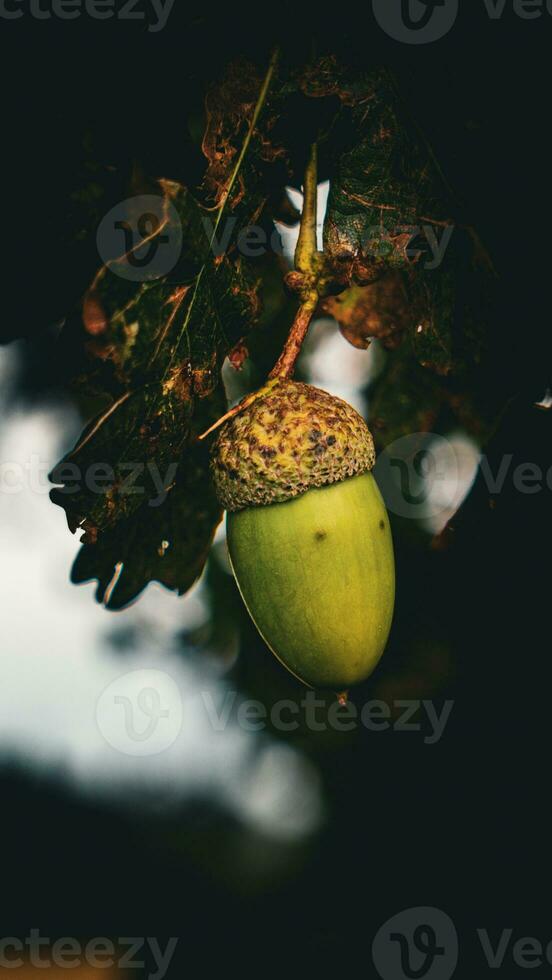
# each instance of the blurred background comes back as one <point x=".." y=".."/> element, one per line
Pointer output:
<point x="250" y="845"/>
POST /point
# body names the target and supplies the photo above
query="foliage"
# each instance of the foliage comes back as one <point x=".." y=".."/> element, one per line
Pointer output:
<point x="153" y="349"/>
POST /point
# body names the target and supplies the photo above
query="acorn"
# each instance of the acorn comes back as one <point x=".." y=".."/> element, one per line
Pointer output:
<point x="308" y="534"/>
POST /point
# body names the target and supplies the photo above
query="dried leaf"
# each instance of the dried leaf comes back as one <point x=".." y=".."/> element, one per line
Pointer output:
<point x="136" y="482"/>
<point x="379" y="310"/>
<point x="389" y="208"/>
<point x="166" y="543"/>
<point x="123" y="458"/>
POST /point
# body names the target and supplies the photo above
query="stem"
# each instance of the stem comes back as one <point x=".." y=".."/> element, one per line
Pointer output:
<point x="245" y="145"/>
<point x="306" y="243"/>
<point x="245" y="403"/>
<point x="307" y="262"/>
<point x="286" y="362"/>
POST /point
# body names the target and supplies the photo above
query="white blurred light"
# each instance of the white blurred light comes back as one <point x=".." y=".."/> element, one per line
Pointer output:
<point x="57" y="661"/>
<point x="546" y="402"/>
<point x="332" y="363"/>
<point x="274" y="798"/>
<point x="290" y="234"/>
<point x="447" y="494"/>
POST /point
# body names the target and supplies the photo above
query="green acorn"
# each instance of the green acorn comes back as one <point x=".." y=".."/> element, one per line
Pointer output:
<point x="308" y="533"/>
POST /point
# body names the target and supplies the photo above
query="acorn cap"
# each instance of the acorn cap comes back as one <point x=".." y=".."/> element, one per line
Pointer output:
<point x="290" y="438"/>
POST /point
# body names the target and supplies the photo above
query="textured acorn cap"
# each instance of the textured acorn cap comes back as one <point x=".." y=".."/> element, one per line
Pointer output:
<point x="291" y="438"/>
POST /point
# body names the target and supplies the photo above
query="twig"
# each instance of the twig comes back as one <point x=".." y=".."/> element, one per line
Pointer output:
<point x="286" y="362"/>
<point x="305" y="250"/>
<point x="307" y="261"/>
<point x="245" y="402"/>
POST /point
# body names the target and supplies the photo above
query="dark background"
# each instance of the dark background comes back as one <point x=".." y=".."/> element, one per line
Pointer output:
<point x="463" y="825"/>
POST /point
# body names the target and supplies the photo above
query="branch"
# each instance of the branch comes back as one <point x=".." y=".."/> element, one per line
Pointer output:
<point x="309" y="267"/>
<point x="286" y="362"/>
<point x="307" y="262"/>
<point x="305" y="251"/>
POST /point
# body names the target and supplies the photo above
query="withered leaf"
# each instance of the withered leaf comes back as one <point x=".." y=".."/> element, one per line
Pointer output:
<point x="136" y="482"/>
<point x="157" y="348"/>
<point x="389" y="208"/>
<point x="386" y="184"/>
<point x="380" y="310"/>
<point x="229" y="106"/>
<point x="124" y="457"/>
<point x="167" y="542"/>
<point x="135" y="331"/>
